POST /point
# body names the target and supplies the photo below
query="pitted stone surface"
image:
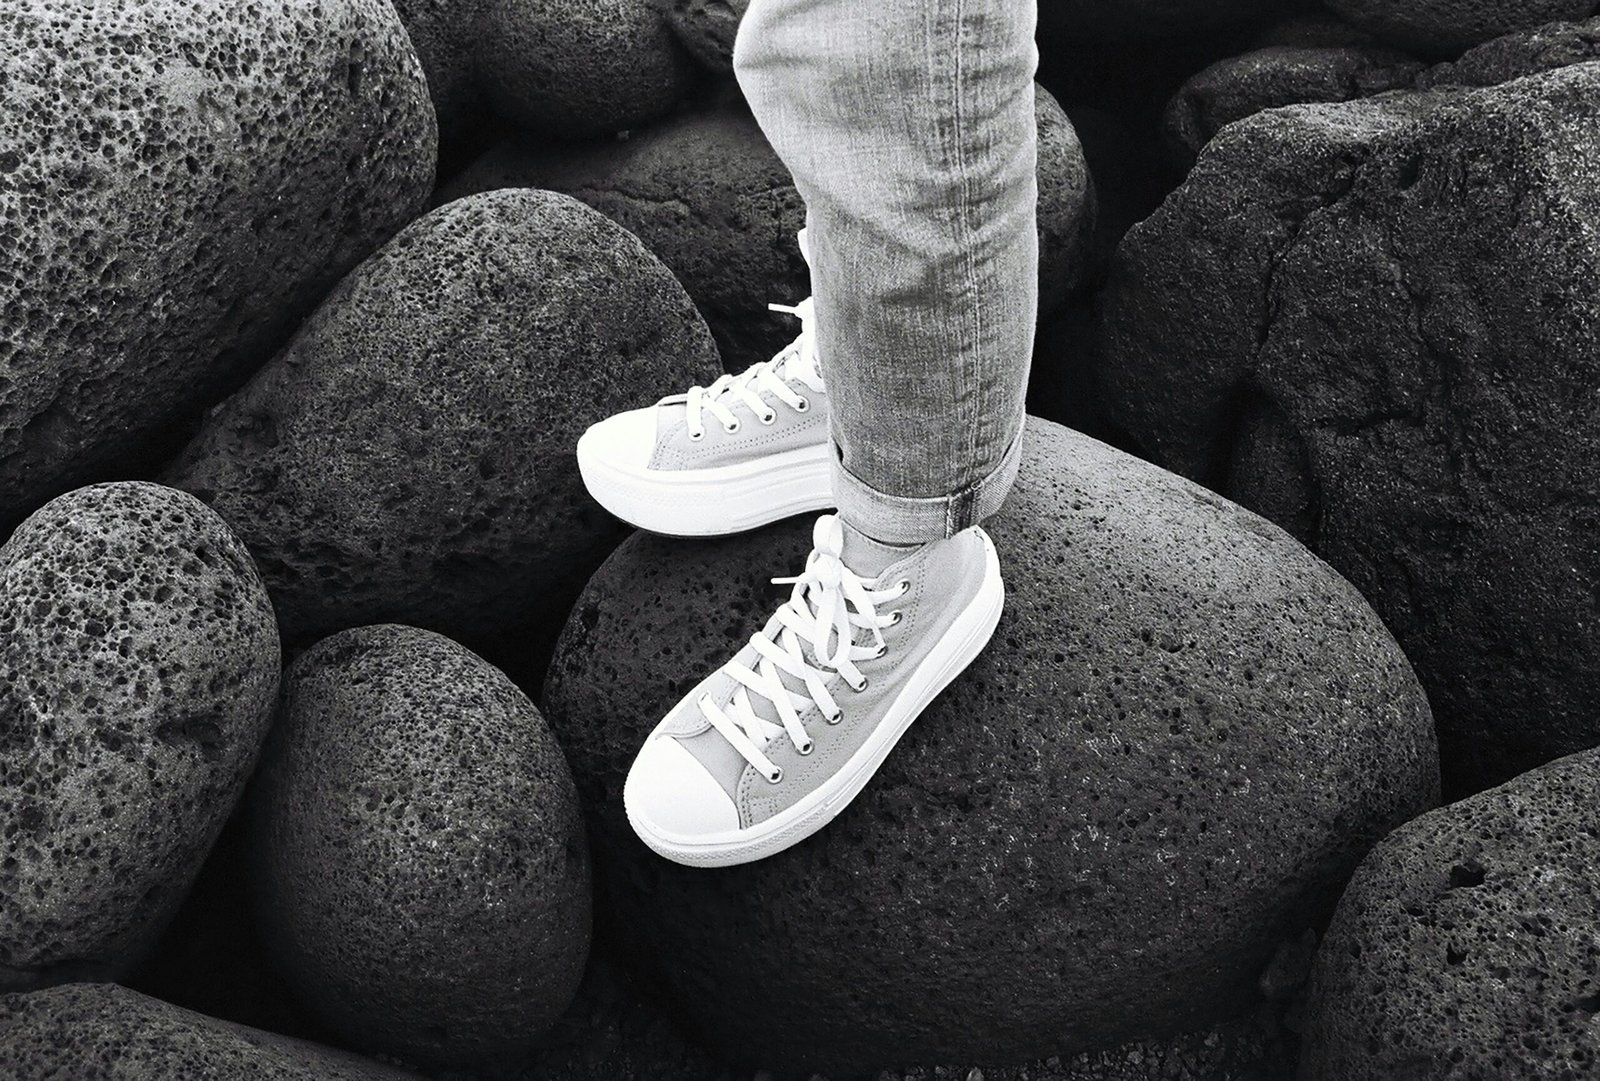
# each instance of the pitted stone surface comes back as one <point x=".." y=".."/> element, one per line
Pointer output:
<point x="424" y="871"/>
<point x="1184" y="735"/>
<point x="1468" y="943"/>
<point x="1544" y="48"/>
<point x="1444" y="26"/>
<point x="707" y="29"/>
<point x="101" y="1032"/>
<point x="138" y="674"/>
<point x="1375" y="324"/>
<point x="707" y="194"/>
<point x="409" y="456"/>
<point x="179" y="184"/>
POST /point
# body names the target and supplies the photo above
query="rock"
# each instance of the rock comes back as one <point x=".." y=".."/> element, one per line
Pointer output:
<point x="1311" y="30"/>
<point x="409" y="456"/>
<point x="424" y="875"/>
<point x="707" y="29"/>
<point x="445" y="34"/>
<point x="1443" y="26"/>
<point x="1242" y="86"/>
<point x="138" y="674"/>
<point x="581" y="67"/>
<point x="1142" y="20"/>
<point x="707" y="194"/>
<point x="1373" y="323"/>
<point x="166" y="219"/>
<point x="1465" y="944"/>
<point x="100" y="1032"/>
<point x="1527" y="52"/>
<point x="1185" y="735"/>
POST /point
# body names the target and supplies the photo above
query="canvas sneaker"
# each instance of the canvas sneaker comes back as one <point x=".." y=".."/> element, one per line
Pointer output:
<point x="769" y="748"/>
<point x="747" y="450"/>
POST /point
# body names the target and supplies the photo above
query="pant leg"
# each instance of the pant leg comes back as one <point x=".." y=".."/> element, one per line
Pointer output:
<point x="909" y="128"/>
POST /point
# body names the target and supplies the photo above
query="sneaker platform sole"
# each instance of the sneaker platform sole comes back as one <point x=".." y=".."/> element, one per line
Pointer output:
<point x="966" y="638"/>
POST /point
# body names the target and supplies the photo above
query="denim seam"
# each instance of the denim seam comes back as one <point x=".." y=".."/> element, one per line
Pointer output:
<point x="971" y="381"/>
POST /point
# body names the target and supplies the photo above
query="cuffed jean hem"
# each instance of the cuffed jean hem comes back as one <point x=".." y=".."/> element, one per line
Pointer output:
<point x="895" y="519"/>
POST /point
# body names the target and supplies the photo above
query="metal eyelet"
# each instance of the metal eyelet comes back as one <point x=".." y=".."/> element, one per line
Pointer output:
<point x="768" y="418"/>
<point x="882" y="649"/>
<point x="895" y="617"/>
<point x="803" y="405"/>
<point x="731" y="428"/>
<point x="807" y="747"/>
<point x="835" y="717"/>
<point x="776" y="775"/>
<point x="905" y="586"/>
<point x="695" y="437"/>
<point x="859" y="687"/>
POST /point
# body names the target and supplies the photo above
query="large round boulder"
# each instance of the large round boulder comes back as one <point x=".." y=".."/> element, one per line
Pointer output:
<point x="409" y="456"/>
<point x="1444" y="26"/>
<point x="138" y="674"/>
<point x="1375" y="324"/>
<point x="707" y="194"/>
<point x="1465" y="944"/>
<point x="101" y="1032"/>
<point x="707" y="29"/>
<point x="1526" y="52"/>
<point x="179" y="184"/>
<point x="423" y="874"/>
<point x="1184" y="735"/>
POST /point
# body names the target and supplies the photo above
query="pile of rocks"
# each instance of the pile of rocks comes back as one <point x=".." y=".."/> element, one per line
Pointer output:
<point x="320" y="672"/>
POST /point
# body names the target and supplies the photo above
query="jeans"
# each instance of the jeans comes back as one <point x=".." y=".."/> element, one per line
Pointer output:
<point x="908" y="126"/>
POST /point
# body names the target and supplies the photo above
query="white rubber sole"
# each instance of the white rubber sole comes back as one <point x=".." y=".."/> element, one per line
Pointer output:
<point x="710" y="502"/>
<point x="966" y="638"/>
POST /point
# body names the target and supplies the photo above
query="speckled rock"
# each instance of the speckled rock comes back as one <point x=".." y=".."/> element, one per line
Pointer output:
<point x="166" y="218"/>
<point x="409" y="457"/>
<point x="138" y="673"/>
<point x="101" y="1032"/>
<point x="1186" y="733"/>
<point x="424" y="871"/>
<point x="1242" y="86"/>
<point x="1329" y="325"/>
<point x="707" y="194"/>
<point x="1468" y="943"/>
<point x="579" y="67"/>
<point x="707" y="29"/>
<point x="1544" y="48"/>
<point x="1442" y="26"/>
<point x="1136" y="20"/>
<point x="445" y="35"/>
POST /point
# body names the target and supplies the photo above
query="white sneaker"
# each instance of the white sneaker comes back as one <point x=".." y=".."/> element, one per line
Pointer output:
<point x="747" y="450"/>
<point x="768" y="749"/>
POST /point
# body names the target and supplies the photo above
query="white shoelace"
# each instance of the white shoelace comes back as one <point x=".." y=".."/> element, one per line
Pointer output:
<point x="828" y="604"/>
<point x="798" y="360"/>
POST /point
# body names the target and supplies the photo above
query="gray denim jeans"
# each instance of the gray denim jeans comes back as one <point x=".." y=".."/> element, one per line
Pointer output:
<point x="909" y="128"/>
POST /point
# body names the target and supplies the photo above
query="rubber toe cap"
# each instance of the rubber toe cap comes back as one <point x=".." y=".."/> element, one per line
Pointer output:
<point x="670" y="792"/>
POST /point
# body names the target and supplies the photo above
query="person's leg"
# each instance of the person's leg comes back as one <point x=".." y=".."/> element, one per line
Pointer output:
<point x="909" y="128"/>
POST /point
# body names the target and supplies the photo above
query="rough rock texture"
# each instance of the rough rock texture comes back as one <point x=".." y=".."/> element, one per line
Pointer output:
<point x="100" y="1032"/>
<point x="1233" y="89"/>
<point x="1527" y="52"/>
<point x="1184" y="736"/>
<point x="1132" y="20"/>
<point x="1468" y="943"/>
<point x="408" y="457"/>
<point x="1442" y="26"/>
<point x="707" y="29"/>
<point x="166" y="218"/>
<point x="580" y="67"/>
<point x="138" y="674"/>
<point x="1375" y="323"/>
<point x="707" y="194"/>
<point x="444" y="33"/>
<point x="424" y="875"/>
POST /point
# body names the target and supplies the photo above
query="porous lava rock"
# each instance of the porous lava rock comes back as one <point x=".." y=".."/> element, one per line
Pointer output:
<point x="707" y="194"/>
<point x="409" y="456"/>
<point x="138" y="674"/>
<point x="101" y="1032"/>
<point x="580" y="67"/>
<point x="424" y="874"/>
<point x="1181" y="740"/>
<point x="1468" y="943"/>
<point x="1443" y="26"/>
<point x="179" y="184"/>
<point x="707" y="29"/>
<point x="1375" y="323"/>
<point x="1241" y="86"/>
<point x="444" y="33"/>
<point x="1526" y="52"/>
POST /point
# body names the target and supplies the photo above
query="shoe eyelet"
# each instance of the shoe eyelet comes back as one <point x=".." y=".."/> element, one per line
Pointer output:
<point x="859" y="687"/>
<point x="882" y="649"/>
<point x="731" y="428"/>
<point x="835" y="717"/>
<point x="803" y="405"/>
<point x="807" y="747"/>
<point x="768" y="418"/>
<point x="895" y="617"/>
<point x="695" y="437"/>
<point x="905" y="586"/>
<point x="776" y="775"/>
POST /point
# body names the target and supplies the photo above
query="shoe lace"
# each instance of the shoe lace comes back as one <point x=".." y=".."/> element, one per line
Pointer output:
<point x="815" y="638"/>
<point x="797" y="360"/>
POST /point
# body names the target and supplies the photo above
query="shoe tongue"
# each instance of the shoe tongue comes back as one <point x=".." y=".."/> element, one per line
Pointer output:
<point x="869" y="558"/>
